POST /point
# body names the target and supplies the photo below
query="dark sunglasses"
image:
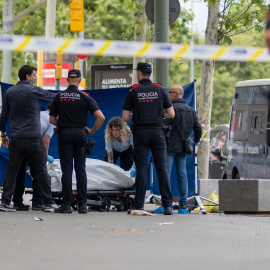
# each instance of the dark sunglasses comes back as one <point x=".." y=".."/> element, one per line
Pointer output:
<point x="170" y="92"/>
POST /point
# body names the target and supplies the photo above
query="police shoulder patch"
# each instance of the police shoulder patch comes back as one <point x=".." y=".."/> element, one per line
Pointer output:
<point x="134" y="86"/>
<point x="85" y="93"/>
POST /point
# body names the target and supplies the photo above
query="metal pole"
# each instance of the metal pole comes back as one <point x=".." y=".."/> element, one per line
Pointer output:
<point x="81" y="36"/>
<point x="8" y="30"/>
<point x="192" y="43"/>
<point x="40" y="69"/>
<point x="161" y="26"/>
<point x="50" y="29"/>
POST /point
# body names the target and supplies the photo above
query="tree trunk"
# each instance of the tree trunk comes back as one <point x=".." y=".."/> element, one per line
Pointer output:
<point x="50" y="19"/>
<point x="139" y="34"/>
<point x="205" y="103"/>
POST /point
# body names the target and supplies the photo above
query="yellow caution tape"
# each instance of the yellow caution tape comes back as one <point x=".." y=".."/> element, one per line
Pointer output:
<point x="119" y="48"/>
<point x="256" y="55"/>
<point x="24" y="43"/>
<point x="203" y="135"/>
<point x="219" y="53"/>
<point x="101" y="51"/>
<point x="181" y="51"/>
<point x="65" y="44"/>
<point x="143" y="49"/>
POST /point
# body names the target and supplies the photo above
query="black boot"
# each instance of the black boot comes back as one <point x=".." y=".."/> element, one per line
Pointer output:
<point x="168" y="211"/>
<point x="64" y="209"/>
<point x="21" y="207"/>
<point x="82" y="208"/>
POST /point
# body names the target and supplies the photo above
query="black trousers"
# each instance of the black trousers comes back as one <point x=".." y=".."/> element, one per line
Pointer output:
<point x="20" y="185"/>
<point x="71" y="145"/>
<point x="153" y="139"/>
<point x="126" y="158"/>
<point x="32" y="149"/>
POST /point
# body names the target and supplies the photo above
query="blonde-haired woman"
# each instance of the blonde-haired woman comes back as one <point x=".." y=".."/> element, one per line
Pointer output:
<point x="119" y="143"/>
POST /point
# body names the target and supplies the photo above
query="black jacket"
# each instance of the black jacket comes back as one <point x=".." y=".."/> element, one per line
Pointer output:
<point x="22" y="106"/>
<point x="188" y="121"/>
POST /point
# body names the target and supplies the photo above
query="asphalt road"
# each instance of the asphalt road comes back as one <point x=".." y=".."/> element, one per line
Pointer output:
<point x="115" y="240"/>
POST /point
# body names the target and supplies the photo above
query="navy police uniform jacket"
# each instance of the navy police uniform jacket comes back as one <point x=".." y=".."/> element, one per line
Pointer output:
<point x="188" y="121"/>
<point x="72" y="106"/>
<point x="147" y="100"/>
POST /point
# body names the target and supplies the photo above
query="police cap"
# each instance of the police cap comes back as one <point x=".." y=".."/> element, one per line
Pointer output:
<point x="144" y="67"/>
<point x="74" y="73"/>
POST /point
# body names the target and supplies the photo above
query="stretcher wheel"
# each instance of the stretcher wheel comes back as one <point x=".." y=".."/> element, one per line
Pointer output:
<point x="121" y="206"/>
<point x="106" y="204"/>
<point x="128" y="203"/>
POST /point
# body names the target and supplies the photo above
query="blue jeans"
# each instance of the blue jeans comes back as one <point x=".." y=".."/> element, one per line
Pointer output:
<point x="32" y="149"/>
<point x="180" y="165"/>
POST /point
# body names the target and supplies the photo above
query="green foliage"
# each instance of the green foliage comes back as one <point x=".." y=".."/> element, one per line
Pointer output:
<point x="241" y="23"/>
<point x="238" y="17"/>
<point x="104" y="19"/>
<point x="228" y="73"/>
<point x="227" y="40"/>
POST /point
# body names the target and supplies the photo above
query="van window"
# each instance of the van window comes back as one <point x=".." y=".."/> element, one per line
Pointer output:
<point x="251" y="95"/>
<point x="257" y="122"/>
<point x="241" y="123"/>
<point x="243" y="95"/>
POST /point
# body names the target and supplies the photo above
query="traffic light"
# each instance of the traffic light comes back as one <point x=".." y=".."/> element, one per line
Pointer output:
<point x="76" y="15"/>
<point x="58" y="66"/>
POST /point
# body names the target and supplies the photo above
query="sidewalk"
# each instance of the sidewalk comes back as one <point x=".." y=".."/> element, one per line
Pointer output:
<point x="114" y="240"/>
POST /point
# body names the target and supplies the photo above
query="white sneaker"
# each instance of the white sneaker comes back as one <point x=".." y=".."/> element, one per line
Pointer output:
<point x="7" y="207"/>
<point x="51" y="208"/>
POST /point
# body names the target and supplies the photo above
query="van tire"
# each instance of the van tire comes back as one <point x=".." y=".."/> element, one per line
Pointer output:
<point x="237" y="176"/>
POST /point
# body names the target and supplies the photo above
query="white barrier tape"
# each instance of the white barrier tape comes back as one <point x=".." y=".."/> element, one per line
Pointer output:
<point x="204" y="132"/>
<point x="129" y="49"/>
<point x="64" y="46"/>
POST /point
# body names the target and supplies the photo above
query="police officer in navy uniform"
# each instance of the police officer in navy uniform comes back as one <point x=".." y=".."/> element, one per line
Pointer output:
<point x="69" y="113"/>
<point x="149" y="103"/>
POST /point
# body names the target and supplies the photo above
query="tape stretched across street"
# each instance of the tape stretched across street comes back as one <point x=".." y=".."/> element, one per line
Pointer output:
<point x="118" y="48"/>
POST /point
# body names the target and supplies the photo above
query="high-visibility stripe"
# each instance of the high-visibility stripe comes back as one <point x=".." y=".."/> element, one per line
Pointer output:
<point x="25" y="41"/>
<point x="64" y="45"/>
<point x="182" y="51"/>
<point x="256" y="54"/>
<point x="219" y="53"/>
<point x="104" y="48"/>
<point x="143" y="49"/>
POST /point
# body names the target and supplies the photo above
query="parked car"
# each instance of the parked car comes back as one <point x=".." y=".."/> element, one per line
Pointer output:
<point x="219" y="151"/>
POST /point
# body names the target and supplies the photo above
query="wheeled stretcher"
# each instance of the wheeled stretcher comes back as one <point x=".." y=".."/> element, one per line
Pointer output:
<point x="103" y="200"/>
<point x="108" y="185"/>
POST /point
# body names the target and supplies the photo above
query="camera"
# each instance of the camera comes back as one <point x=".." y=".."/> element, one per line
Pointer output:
<point x="89" y="146"/>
